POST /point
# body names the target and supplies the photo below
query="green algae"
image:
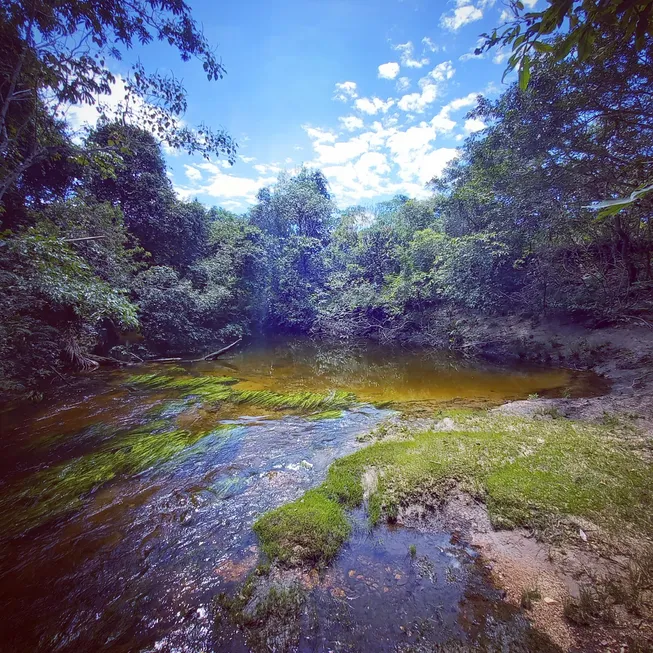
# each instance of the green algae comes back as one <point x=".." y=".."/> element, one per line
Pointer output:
<point x="217" y="389"/>
<point x="50" y="493"/>
<point x="527" y="471"/>
<point x="327" y="414"/>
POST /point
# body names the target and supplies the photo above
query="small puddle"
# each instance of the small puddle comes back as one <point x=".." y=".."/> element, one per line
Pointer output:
<point x="390" y="589"/>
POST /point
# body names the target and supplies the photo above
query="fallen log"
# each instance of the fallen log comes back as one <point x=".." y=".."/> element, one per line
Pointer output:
<point x="209" y="357"/>
<point x="215" y="354"/>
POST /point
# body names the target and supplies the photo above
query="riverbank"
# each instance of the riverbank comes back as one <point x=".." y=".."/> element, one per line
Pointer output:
<point x="553" y="494"/>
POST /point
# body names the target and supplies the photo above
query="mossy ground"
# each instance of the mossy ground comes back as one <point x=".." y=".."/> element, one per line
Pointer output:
<point x="528" y="471"/>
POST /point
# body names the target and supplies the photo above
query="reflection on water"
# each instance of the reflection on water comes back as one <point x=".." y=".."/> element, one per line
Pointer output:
<point x="134" y="560"/>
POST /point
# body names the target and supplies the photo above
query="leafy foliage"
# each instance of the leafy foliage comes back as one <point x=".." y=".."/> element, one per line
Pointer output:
<point x="583" y="22"/>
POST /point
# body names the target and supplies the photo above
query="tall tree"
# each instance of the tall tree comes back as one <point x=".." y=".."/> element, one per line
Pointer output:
<point x="53" y="54"/>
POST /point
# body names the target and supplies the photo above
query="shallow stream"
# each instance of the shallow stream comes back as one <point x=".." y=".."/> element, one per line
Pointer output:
<point x="126" y="503"/>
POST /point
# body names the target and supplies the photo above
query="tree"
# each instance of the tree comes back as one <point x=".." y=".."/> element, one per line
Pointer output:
<point x="567" y="26"/>
<point x="53" y="54"/>
<point x="173" y="232"/>
<point x="298" y="205"/>
<point x="578" y="130"/>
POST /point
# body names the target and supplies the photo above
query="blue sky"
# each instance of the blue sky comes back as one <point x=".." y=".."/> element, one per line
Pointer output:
<point x="372" y="92"/>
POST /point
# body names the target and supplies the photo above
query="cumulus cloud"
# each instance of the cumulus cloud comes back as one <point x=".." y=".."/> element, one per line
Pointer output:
<point x="267" y="169"/>
<point x="430" y="85"/>
<point x="407" y="56"/>
<point x="429" y="45"/>
<point x="443" y="122"/>
<point x="389" y="70"/>
<point x="465" y="12"/>
<point x="233" y="191"/>
<point x="501" y="55"/>
<point x="193" y="173"/>
<point x="471" y="55"/>
<point x="403" y="84"/>
<point x="345" y="91"/>
<point x="247" y="159"/>
<point x="320" y="135"/>
<point x="373" y="105"/>
<point x="351" y="123"/>
<point x="474" y="125"/>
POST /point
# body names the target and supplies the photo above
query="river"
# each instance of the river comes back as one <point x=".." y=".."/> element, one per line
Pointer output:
<point x="127" y="502"/>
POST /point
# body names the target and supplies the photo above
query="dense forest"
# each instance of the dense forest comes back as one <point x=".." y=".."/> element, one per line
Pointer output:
<point x="100" y="260"/>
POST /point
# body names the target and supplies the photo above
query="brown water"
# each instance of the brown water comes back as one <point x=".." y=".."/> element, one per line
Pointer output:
<point x="132" y="559"/>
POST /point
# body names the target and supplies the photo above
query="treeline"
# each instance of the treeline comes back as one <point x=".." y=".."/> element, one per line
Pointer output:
<point x="101" y="259"/>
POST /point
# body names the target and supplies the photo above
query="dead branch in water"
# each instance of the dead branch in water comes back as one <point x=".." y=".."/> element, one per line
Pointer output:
<point x="208" y="357"/>
<point x="108" y="360"/>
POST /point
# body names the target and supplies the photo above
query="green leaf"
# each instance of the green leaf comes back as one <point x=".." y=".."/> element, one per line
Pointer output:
<point x="524" y="72"/>
<point x="542" y="47"/>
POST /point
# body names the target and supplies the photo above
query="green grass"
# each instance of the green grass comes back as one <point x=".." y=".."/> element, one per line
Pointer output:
<point x="217" y="389"/>
<point x="526" y="470"/>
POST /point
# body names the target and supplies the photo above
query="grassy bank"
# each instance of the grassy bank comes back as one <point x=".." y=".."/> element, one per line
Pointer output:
<point x="529" y="471"/>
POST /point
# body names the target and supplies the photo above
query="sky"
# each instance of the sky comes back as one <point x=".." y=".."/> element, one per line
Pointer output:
<point x="372" y="92"/>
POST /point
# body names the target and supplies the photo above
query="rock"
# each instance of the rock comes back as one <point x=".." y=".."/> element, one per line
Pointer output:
<point x="549" y="600"/>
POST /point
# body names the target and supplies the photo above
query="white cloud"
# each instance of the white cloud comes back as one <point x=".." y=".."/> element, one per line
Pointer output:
<point x="247" y="159"/>
<point x="501" y="55"/>
<point x="351" y="123"/>
<point x="442" y="71"/>
<point x="228" y="187"/>
<point x="373" y="105"/>
<point x="474" y="125"/>
<point x="345" y="91"/>
<point x="388" y="70"/>
<point x="471" y="55"/>
<point x="403" y="84"/>
<point x="419" y="101"/>
<point x="462" y="15"/>
<point x="443" y="121"/>
<point x="193" y="173"/>
<point x="429" y="45"/>
<point x="430" y="85"/>
<point x="407" y="53"/>
<point x="506" y="16"/>
<point x="320" y="135"/>
<point x="267" y="168"/>
<point x="288" y="160"/>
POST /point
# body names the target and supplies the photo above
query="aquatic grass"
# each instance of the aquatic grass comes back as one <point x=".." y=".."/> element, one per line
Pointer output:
<point x="327" y="414"/>
<point x="216" y="389"/>
<point x="526" y="470"/>
<point x="63" y="488"/>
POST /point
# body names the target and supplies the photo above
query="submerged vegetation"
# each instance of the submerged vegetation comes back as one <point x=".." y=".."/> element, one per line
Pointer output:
<point x="529" y="472"/>
<point x="63" y="488"/>
<point x="216" y="389"/>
